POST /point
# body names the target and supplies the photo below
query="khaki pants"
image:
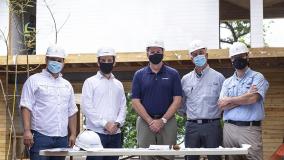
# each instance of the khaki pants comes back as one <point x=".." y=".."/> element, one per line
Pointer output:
<point x="235" y="136"/>
<point x="145" y="137"/>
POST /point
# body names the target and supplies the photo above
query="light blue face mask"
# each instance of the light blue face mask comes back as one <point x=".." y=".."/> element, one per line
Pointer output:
<point x="199" y="60"/>
<point x="54" y="66"/>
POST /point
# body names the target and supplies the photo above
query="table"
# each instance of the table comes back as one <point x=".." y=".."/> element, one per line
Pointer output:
<point x="146" y="151"/>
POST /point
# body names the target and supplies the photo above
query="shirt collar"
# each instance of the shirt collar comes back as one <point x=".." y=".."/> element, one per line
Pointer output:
<point x="246" y="73"/>
<point x="46" y="73"/>
<point x="203" y="72"/>
<point x="149" y="70"/>
<point x="101" y="76"/>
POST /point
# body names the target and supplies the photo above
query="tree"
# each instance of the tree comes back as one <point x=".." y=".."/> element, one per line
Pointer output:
<point x="238" y="30"/>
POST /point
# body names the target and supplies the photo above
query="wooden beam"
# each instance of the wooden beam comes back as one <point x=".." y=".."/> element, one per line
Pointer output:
<point x="139" y="57"/>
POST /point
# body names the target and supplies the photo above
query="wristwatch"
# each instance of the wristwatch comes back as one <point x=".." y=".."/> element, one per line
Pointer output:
<point x="164" y="120"/>
<point x="117" y="124"/>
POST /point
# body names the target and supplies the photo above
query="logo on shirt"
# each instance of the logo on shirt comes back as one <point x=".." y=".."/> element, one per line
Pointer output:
<point x="165" y="78"/>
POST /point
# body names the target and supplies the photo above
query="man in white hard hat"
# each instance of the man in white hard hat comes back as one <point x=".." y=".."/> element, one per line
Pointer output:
<point x="242" y="99"/>
<point x="48" y="107"/>
<point x="104" y="103"/>
<point x="201" y="88"/>
<point x="156" y="96"/>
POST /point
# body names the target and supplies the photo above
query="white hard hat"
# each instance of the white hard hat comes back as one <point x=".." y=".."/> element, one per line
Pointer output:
<point x="238" y="48"/>
<point x="156" y="43"/>
<point x="55" y="51"/>
<point x="106" y="52"/>
<point x="195" y="45"/>
<point x="89" y="141"/>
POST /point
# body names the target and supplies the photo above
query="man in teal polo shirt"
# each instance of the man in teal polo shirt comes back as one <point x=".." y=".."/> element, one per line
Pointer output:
<point x="156" y="96"/>
<point x="242" y="99"/>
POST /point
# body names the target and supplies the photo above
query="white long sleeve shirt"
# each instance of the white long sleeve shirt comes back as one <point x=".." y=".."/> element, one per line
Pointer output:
<point x="51" y="102"/>
<point x="103" y="100"/>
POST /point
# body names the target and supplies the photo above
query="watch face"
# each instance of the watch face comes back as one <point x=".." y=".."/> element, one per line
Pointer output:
<point x="164" y="120"/>
<point x="117" y="125"/>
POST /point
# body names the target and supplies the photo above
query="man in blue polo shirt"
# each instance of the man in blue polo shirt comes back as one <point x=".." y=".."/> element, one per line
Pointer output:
<point x="156" y="96"/>
<point x="242" y="97"/>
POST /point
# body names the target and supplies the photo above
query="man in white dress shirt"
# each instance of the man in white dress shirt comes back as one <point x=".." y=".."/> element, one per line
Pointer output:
<point x="104" y="103"/>
<point x="48" y="108"/>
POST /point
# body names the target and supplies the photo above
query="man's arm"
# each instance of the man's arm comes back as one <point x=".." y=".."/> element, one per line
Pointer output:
<point x="252" y="96"/>
<point x="28" y="137"/>
<point x="173" y="107"/>
<point x="72" y="125"/>
<point x="139" y="108"/>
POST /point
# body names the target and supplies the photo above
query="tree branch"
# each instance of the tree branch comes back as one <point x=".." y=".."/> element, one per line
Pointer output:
<point x="53" y="18"/>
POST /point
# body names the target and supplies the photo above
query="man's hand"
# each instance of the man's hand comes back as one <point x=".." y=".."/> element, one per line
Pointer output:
<point x="72" y="140"/>
<point x="111" y="127"/>
<point x="253" y="89"/>
<point x="225" y="103"/>
<point x="156" y="125"/>
<point x="28" y="139"/>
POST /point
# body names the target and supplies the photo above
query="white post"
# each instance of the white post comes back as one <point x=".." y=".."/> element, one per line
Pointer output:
<point x="256" y="20"/>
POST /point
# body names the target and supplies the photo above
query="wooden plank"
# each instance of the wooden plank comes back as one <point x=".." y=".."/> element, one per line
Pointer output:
<point x="141" y="56"/>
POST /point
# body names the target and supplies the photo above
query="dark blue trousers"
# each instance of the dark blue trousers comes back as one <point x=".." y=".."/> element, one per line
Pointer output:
<point x="45" y="142"/>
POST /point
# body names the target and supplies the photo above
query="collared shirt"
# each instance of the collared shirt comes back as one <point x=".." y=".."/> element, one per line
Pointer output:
<point x="51" y="102"/>
<point x="235" y="86"/>
<point x="201" y="93"/>
<point x="156" y="90"/>
<point x="103" y="100"/>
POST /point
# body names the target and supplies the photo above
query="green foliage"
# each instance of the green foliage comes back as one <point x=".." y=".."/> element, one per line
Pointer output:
<point x="239" y="29"/>
<point x="129" y="129"/>
<point x="181" y="128"/>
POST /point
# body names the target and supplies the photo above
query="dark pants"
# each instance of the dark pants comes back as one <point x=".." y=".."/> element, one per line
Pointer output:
<point x="45" y="142"/>
<point x="207" y="135"/>
<point x="108" y="141"/>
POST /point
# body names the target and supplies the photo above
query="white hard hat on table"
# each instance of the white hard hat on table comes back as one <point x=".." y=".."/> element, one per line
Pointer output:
<point x="88" y="140"/>
<point x="106" y="51"/>
<point x="155" y="43"/>
<point x="55" y="51"/>
<point x="238" y="48"/>
<point x="196" y="45"/>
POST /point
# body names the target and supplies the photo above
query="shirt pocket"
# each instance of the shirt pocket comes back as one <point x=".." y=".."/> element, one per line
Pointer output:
<point x="188" y="90"/>
<point x="65" y="94"/>
<point x="246" y="85"/>
<point x="46" y="93"/>
<point x="232" y="91"/>
<point x="214" y="89"/>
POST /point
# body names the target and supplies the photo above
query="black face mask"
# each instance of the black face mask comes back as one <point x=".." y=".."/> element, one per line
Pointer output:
<point x="156" y="58"/>
<point x="106" y="68"/>
<point x="240" y="63"/>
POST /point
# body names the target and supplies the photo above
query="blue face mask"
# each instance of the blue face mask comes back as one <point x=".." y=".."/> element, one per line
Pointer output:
<point x="54" y="66"/>
<point x="199" y="60"/>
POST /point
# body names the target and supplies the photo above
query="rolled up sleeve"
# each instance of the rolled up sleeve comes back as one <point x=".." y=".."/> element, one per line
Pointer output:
<point x="261" y="84"/>
<point x="72" y="107"/>
<point x="28" y="96"/>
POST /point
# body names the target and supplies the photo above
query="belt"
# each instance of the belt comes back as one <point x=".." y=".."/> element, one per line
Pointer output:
<point x="156" y="116"/>
<point x="244" y="123"/>
<point x="202" y="121"/>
